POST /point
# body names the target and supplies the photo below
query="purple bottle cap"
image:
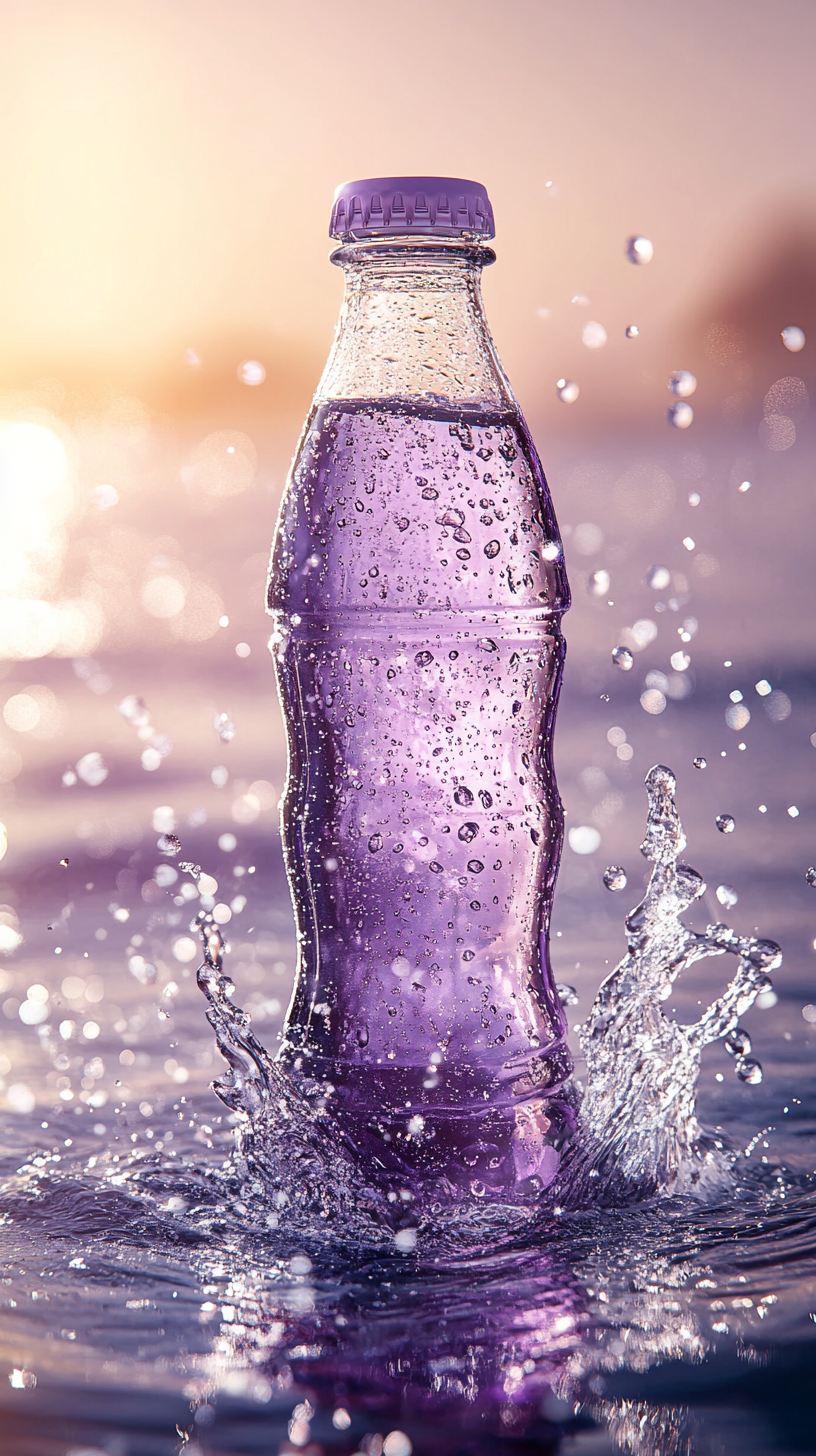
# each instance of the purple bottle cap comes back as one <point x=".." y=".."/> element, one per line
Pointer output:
<point x="442" y="207"/>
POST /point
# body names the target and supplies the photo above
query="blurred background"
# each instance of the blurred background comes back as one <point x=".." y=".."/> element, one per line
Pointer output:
<point x="166" y="305"/>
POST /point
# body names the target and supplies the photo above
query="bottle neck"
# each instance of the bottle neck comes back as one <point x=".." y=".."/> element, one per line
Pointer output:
<point x="412" y="326"/>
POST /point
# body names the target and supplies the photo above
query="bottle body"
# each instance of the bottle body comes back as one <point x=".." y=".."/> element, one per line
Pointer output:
<point x="417" y="586"/>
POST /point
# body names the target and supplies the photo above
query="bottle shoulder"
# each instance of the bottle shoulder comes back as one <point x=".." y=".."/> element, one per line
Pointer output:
<point x="403" y="503"/>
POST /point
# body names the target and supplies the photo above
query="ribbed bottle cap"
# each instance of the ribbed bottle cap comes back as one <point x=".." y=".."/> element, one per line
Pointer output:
<point x="445" y="207"/>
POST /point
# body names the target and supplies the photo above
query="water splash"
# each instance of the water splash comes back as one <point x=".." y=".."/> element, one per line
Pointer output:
<point x="638" y="1132"/>
<point x="637" y="1136"/>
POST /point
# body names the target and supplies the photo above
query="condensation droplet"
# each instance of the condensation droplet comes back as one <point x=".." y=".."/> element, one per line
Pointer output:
<point x="622" y="658"/>
<point x="725" y="823"/>
<point x="615" y="877"/>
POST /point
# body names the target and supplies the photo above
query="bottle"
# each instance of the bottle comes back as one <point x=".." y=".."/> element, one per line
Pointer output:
<point x="417" y="585"/>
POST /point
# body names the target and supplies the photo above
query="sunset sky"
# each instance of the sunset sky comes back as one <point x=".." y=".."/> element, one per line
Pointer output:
<point x="168" y="167"/>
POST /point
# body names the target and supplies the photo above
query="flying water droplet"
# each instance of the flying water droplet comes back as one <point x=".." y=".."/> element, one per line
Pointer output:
<point x="251" y="372"/>
<point x="632" y="331"/>
<point x="749" y="1071"/>
<point x="599" y="583"/>
<point x="727" y="896"/>
<point x="615" y="877"/>
<point x="725" y="823"/>
<point x="593" y="335"/>
<point x="65" y="862"/>
<point x="639" y="250"/>
<point x="622" y="658"/>
<point x="168" y="844"/>
<point x="680" y="415"/>
<point x="700" y="762"/>
<point x="793" y="338"/>
<point x="567" y="995"/>
<point x="682" y="383"/>
<point x="658" y="578"/>
<point x="737" y="1043"/>
<point x="223" y="727"/>
<point x="810" y="875"/>
<point x="567" y="390"/>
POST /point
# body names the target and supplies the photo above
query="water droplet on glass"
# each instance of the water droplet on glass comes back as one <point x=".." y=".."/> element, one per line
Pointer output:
<point x="639" y="250"/>
<point x="435" y="867"/>
<point x="727" y="896"/>
<point x="680" y="415"/>
<point x="403" y="523"/>
<point x="375" y="843"/>
<point x="492" y="549"/>
<point x="487" y="644"/>
<point x="682" y="383"/>
<point x="725" y="823"/>
<point x="567" y="390"/>
<point x="475" y="866"/>
<point x="429" y="493"/>
<point x="463" y="797"/>
<point x="615" y="877"/>
<point x="451" y="518"/>
<point x="632" y="331"/>
<point x="567" y="995"/>
<point x="468" y="955"/>
<point x="658" y="578"/>
<point x="168" y="844"/>
<point x="423" y="658"/>
<point x="793" y="338"/>
<point x="700" y="762"/>
<point x="251" y="372"/>
<point x="749" y="1071"/>
<point x="737" y="1043"/>
<point x="622" y="658"/>
<point x="593" y="335"/>
<point x="468" y="832"/>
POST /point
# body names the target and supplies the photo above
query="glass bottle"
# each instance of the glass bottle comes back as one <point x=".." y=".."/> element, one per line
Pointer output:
<point x="417" y="585"/>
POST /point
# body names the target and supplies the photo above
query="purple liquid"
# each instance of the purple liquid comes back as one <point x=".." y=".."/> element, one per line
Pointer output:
<point x="418" y="584"/>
